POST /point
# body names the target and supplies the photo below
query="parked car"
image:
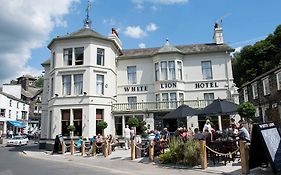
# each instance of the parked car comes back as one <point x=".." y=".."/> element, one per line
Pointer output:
<point x="18" y="140"/>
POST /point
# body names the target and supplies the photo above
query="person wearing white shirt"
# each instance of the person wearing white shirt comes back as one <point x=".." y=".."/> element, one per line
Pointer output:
<point x="127" y="135"/>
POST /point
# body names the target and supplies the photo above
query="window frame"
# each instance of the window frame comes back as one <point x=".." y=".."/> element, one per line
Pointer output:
<point x="255" y="90"/>
<point x="78" y="56"/>
<point x="266" y="88"/>
<point x="100" y="56"/>
<point x="78" y="84"/>
<point x="278" y="80"/>
<point x="132" y="74"/>
<point x="100" y="83"/>
<point x="245" y="94"/>
<point x="66" y="91"/>
<point x="207" y="72"/>
<point x="162" y="68"/>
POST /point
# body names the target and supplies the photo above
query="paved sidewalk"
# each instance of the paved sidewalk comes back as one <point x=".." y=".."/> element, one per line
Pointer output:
<point x="119" y="161"/>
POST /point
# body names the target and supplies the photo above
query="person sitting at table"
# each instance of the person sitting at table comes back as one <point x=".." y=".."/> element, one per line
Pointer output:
<point x="243" y="132"/>
<point x="198" y="135"/>
<point x="166" y="134"/>
<point x="207" y="136"/>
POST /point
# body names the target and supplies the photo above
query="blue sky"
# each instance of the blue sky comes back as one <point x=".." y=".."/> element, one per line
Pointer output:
<point x="140" y="23"/>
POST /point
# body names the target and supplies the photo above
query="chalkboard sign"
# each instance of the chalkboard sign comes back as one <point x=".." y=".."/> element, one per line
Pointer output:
<point x="265" y="146"/>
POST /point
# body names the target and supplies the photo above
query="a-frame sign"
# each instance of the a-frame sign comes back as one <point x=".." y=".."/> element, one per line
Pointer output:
<point x="265" y="147"/>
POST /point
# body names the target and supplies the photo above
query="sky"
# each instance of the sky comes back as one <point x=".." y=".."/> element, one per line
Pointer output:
<point x="28" y="26"/>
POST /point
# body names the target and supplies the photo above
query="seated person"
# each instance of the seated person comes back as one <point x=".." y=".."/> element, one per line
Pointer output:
<point x="198" y="135"/>
<point x="243" y="132"/>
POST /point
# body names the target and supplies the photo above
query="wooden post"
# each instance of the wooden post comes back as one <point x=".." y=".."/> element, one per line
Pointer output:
<point x="94" y="149"/>
<point x="105" y="148"/>
<point x="203" y="154"/>
<point x="133" y="149"/>
<point x="83" y="148"/>
<point x="72" y="147"/>
<point x="151" y="150"/>
<point x="244" y="155"/>
<point x="63" y="148"/>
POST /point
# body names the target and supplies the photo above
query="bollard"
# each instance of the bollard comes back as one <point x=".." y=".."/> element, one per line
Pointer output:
<point x="133" y="149"/>
<point x="63" y="148"/>
<point x="105" y="148"/>
<point x="244" y="155"/>
<point x="151" y="150"/>
<point x="203" y="154"/>
<point x="72" y="147"/>
<point x="94" y="149"/>
<point x="83" y="148"/>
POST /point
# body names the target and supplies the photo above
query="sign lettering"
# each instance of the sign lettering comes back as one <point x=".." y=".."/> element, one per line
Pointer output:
<point x="206" y="85"/>
<point x="168" y="85"/>
<point x="135" y="88"/>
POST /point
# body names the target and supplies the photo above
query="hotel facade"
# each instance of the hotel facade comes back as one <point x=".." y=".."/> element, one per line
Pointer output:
<point x="89" y="77"/>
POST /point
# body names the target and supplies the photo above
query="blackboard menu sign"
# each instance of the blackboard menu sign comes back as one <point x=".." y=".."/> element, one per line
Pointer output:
<point x="265" y="146"/>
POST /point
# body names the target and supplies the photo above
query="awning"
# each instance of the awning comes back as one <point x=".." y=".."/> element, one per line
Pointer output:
<point x="17" y="124"/>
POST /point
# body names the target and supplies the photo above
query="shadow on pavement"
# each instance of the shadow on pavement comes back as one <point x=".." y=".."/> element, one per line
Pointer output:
<point x="29" y="147"/>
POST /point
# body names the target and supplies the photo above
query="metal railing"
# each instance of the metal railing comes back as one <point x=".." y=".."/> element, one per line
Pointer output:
<point x="156" y="106"/>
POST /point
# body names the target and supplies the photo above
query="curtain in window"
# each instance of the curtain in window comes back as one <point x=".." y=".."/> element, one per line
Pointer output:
<point x="132" y="77"/>
<point x="100" y="82"/>
<point x="207" y="70"/>
<point x="78" y="84"/>
<point x="179" y="65"/>
<point x="67" y="56"/>
<point x="164" y="70"/>
<point x="173" y="99"/>
<point x="157" y="72"/>
<point x="66" y="84"/>
<point x="172" y="70"/>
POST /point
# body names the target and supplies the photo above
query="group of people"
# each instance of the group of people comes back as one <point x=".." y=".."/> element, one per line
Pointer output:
<point x="209" y="133"/>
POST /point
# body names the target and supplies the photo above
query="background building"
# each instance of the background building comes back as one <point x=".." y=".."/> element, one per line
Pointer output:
<point x="13" y="114"/>
<point x="264" y="92"/>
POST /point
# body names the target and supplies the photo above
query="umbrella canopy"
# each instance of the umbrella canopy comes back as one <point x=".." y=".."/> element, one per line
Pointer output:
<point x="220" y="107"/>
<point x="181" y="112"/>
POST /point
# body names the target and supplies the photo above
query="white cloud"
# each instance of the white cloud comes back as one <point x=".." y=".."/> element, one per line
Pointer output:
<point x="26" y="25"/>
<point x="151" y="27"/>
<point x="134" y="32"/>
<point x="142" y="45"/>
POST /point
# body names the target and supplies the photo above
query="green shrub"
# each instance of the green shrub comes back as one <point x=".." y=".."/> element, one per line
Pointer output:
<point x="133" y="122"/>
<point x="182" y="153"/>
<point x="101" y="125"/>
<point x="71" y="128"/>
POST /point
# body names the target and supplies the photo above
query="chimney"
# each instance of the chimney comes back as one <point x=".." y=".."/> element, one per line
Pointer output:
<point x="114" y="36"/>
<point x="218" y="34"/>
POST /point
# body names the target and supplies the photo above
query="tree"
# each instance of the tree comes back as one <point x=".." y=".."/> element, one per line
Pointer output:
<point x="257" y="59"/>
<point x="101" y="125"/>
<point x="247" y="111"/>
<point x="133" y="122"/>
<point x="40" y="81"/>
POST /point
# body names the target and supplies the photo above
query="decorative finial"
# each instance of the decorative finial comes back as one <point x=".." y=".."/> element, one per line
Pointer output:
<point x="87" y="20"/>
<point x="167" y="39"/>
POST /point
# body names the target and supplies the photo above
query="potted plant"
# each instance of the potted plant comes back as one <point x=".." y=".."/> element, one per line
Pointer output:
<point x="101" y="125"/>
<point x="71" y="129"/>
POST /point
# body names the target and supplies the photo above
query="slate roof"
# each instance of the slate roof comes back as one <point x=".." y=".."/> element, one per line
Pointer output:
<point x="183" y="49"/>
<point x="31" y="92"/>
<point x="82" y="33"/>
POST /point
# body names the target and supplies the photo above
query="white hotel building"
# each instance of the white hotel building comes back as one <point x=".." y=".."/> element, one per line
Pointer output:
<point x="90" y="78"/>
